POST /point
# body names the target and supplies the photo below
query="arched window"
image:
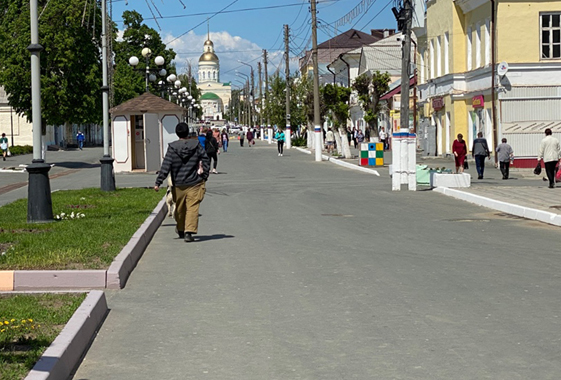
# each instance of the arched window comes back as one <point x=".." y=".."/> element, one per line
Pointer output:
<point x="214" y="75"/>
<point x="203" y="75"/>
<point x="209" y="75"/>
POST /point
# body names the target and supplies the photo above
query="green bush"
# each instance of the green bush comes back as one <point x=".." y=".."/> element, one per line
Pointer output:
<point x="299" y="141"/>
<point x="21" y="149"/>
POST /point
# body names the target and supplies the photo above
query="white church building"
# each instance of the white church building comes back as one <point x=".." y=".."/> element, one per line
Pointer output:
<point x="215" y="96"/>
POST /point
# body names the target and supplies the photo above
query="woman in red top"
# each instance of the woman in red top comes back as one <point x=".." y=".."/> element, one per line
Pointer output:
<point x="459" y="149"/>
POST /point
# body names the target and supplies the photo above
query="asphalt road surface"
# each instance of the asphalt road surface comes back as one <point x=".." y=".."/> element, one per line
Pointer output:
<point x="307" y="270"/>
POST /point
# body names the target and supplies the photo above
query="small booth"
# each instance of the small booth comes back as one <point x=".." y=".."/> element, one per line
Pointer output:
<point x="141" y="129"/>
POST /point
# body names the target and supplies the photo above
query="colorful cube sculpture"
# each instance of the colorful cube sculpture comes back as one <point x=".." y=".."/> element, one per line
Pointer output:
<point x="371" y="154"/>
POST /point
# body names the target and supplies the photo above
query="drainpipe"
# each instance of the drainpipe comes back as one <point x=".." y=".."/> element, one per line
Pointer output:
<point x="348" y="70"/>
<point x="493" y="78"/>
<point x="334" y="75"/>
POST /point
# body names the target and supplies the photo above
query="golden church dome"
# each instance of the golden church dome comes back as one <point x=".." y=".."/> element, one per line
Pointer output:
<point x="208" y="57"/>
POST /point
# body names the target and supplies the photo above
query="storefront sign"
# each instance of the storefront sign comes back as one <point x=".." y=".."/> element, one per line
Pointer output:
<point x="437" y="103"/>
<point x="478" y="101"/>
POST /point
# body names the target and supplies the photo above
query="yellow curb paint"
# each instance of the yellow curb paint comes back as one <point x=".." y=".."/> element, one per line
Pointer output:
<point x="6" y="280"/>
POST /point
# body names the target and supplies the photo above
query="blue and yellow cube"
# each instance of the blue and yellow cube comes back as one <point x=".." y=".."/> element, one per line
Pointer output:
<point x="371" y="154"/>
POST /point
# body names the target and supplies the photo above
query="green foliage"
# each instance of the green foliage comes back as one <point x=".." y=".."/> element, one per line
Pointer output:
<point x="21" y="149"/>
<point x="70" y="61"/>
<point x="21" y="347"/>
<point x="299" y="141"/>
<point x="90" y="242"/>
<point x="336" y="100"/>
<point x="277" y="101"/>
<point x="370" y="88"/>
<point x="129" y="83"/>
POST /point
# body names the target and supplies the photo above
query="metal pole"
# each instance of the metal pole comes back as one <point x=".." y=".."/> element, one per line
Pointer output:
<point x="107" y="174"/>
<point x="287" y="133"/>
<point x="39" y="204"/>
<point x="260" y="104"/>
<point x="317" y="118"/>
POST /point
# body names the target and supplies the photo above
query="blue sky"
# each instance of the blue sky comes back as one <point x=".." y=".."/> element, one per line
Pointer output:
<point x="240" y="29"/>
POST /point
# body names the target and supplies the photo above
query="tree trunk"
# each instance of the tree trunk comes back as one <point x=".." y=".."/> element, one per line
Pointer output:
<point x="344" y="143"/>
<point x="310" y="137"/>
<point x="68" y="135"/>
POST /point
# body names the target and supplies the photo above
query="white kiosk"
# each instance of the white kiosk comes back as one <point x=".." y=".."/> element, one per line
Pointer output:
<point x="141" y="129"/>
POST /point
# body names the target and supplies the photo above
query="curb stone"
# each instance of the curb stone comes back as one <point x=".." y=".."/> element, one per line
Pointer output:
<point x="509" y="208"/>
<point x="342" y="163"/>
<point x="64" y="354"/>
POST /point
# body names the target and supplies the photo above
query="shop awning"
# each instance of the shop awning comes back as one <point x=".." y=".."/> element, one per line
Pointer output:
<point x="397" y="90"/>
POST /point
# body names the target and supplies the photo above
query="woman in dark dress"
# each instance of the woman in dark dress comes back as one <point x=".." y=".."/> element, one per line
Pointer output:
<point x="459" y="148"/>
<point x="211" y="147"/>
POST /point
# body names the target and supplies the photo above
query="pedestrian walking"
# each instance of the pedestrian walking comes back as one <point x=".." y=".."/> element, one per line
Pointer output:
<point x="383" y="137"/>
<point x="242" y="137"/>
<point x="80" y="138"/>
<point x="329" y="140"/>
<point x="549" y="152"/>
<point x="225" y="140"/>
<point x="4" y="146"/>
<point x="349" y="136"/>
<point x="504" y="154"/>
<point x="279" y="136"/>
<point x="202" y="138"/>
<point x="249" y="136"/>
<point x="182" y="161"/>
<point x="212" y="150"/>
<point x="359" y="136"/>
<point x="480" y="151"/>
<point x="459" y="149"/>
<point x="355" y="143"/>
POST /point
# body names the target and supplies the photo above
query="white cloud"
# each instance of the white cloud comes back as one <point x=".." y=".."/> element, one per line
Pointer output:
<point x="229" y="50"/>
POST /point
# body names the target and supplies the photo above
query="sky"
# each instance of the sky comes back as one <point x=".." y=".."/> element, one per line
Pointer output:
<point x="241" y="29"/>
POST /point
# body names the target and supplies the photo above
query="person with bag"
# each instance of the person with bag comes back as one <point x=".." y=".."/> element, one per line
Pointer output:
<point x="505" y="154"/>
<point x="550" y="152"/>
<point x="182" y="161"/>
<point x="279" y="136"/>
<point x="480" y="151"/>
<point x="459" y="149"/>
<point x="212" y="150"/>
<point x="225" y="140"/>
<point x="4" y="146"/>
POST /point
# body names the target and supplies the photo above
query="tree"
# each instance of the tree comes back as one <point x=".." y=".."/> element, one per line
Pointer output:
<point x="129" y="83"/>
<point x="336" y="100"/>
<point x="277" y="101"/>
<point x="70" y="61"/>
<point x="370" y="88"/>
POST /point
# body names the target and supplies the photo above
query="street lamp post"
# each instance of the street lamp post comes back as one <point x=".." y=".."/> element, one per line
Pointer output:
<point x="159" y="61"/>
<point x="107" y="173"/>
<point x="252" y="111"/>
<point x="39" y="203"/>
<point x="250" y="92"/>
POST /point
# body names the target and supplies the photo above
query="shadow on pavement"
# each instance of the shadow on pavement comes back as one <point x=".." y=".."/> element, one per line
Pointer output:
<point x="76" y="165"/>
<point x="212" y="237"/>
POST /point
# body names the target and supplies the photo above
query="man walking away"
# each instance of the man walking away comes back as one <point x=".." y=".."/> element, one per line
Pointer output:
<point x="549" y="152"/>
<point x="383" y="137"/>
<point x="330" y="140"/>
<point x="4" y="146"/>
<point x="80" y="138"/>
<point x="504" y="154"/>
<point x="479" y="151"/>
<point x="182" y="161"/>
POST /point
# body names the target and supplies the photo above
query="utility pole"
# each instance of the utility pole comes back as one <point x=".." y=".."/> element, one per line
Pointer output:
<point x="404" y="143"/>
<point x="261" y="134"/>
<point x="269" y="129"/>
<point x="287" y="133"/>
<point x="252" y="100"/>
<point x="317" y="119"/>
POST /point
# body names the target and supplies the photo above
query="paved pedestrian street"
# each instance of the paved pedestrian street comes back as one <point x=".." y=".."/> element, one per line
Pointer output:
<point x="307" y="270"/>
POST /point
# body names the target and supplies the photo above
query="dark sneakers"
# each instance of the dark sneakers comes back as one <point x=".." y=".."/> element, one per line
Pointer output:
<point x="189" y="237"/>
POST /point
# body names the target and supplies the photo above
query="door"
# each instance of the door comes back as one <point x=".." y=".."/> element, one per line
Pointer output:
<point x="152" y="141"/>
<point x="139" y="142"/>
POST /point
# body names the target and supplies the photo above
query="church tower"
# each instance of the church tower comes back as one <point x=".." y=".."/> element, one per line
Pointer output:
<point x="209" y="64"/>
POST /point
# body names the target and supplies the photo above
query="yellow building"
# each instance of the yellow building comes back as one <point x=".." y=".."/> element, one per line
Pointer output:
<point x="463" y="41"/>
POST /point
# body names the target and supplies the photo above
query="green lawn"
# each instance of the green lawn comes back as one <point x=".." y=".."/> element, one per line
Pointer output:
<point x="88" y="242"/>
<point x="22" y="343"/>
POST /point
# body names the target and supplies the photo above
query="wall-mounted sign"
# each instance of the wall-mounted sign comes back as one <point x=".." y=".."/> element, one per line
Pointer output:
<point x="437" y="103"/>
<point x="478" y="101"/>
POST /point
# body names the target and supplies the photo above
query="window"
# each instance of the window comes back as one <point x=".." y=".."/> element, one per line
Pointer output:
<point x="446" y="53"/>
<point x="468" y="53"/>
<point x="203" y="75"/>
<point x="551" y="35"/>
<point x="421" y="69"/>
<point x="478" y="45"/>
<point x="438" y="57"/>
<point x="431" y="55"/>
<point x="487" y="42"/>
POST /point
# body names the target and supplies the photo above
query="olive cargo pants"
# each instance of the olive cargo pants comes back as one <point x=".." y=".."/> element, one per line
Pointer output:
<point x="187" y="201"/>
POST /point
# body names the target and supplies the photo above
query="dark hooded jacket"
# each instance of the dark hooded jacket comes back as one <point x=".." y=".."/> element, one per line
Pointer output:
<point x="182" y="162"/>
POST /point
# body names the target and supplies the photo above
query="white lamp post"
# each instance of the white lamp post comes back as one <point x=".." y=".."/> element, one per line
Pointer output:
<point x="159" y="61"/>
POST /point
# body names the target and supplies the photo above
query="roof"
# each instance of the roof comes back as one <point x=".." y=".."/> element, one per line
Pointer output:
<point x="397" y="89"/>
<point x="348" y="40"/>
<point x="378" y="58"/>
<point x="146" y="103"/>
<point x="209" y="96"/>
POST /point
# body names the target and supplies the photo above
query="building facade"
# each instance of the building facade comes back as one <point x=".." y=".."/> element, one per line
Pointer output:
<point x="492" y="67"/>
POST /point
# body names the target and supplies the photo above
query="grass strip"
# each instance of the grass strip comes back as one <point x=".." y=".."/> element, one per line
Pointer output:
<point x="93" y="228"/>
<point x="23" y="343"/>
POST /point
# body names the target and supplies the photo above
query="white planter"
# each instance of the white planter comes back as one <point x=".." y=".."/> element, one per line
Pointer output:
<point x="450" y="180"/>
